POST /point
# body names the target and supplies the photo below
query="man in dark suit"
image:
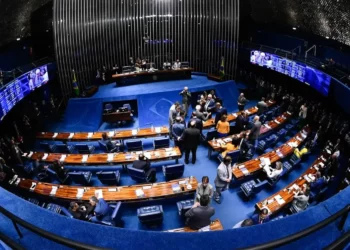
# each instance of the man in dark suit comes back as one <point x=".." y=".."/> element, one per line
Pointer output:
<point x="199" y="217"/>
<point x="186" y="99"/>
<point x="110" y="146"/>
<point x="255" y="130"/>
<point x="199" y="123"/>
<point x="241" y="122"/>
<point x="191" y="139"/>
<point x="220" y="111"/>
<point x="210" y="104"/>
<point x="262" y="106"/>
<point x="244" y="146"/>
<point x="144" y="164"/>
<point x="242" y="101"/>
<point x="177" y="130"/>
<point x="261" y="218"/>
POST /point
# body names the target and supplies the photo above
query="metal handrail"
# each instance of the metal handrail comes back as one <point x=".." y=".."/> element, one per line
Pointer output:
<point x="288" y="239"/>
<point x="53" y="237"/>
<point x="11" y="243"/>
<point x="340" y="243"/>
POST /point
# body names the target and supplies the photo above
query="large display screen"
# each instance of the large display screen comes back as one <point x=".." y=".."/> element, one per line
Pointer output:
<point x="22" y="86"/>
<point x="312" y="77"/>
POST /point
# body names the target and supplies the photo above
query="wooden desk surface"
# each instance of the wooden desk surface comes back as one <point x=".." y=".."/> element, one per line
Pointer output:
<point x="156" y="72"/>
<point x="253" y="166"/>
<point x="231" y="117"/>
<point x="287" y="195"/>
<point x="115" y="158"/>
<point x="264" y="129"/>
<point x="112" y="193"/>
<point x="114" y="135"/>
<point x="214" y="226"/>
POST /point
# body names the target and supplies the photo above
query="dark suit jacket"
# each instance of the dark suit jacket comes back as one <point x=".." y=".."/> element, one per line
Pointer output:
<point x="257" y="221"/>
<point x="201" y="116"/>
<point x="255" y="131"/>
<point x="191" y="138"/>
<point x="262" y="107"/>
<point x="219" y="114"/>
<point x="199" y="217"/>
<point x="144" y="165"/>
<point x="244" y="146"/>
<point x="199" y="123"/>
<point x="240" y="123"/>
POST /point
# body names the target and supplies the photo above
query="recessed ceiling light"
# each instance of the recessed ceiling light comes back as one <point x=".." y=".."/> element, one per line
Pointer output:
<point x="18" y="39"/>
<point x="327" y="37"/>
<point x="294" y="28"/>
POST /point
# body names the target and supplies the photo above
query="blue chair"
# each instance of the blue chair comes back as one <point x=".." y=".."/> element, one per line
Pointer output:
<point x="51" y="148"/>
<point x="211" y="135"/>
<point x="173" y="171"/>
<point x="151" y="215"/>
<point x="109" y="178"/>
<point x="84" y="149"/>
<point x="64" y="149"/>
<point x="108" y="108"/>
<point x="269" y="141"/>
<point x="138" y="175"/>
<point x="58" y="210"/>
<point x="294" y="160"/>
<point x="281" y="133"/>
<point x="127" y="106"/>
<point x="233" y="154"/>
<point x="134" y="145"/>
<point x="114" y="211"/>
<point x="54" y="177"/>
<point x="184" y="206"/>
<point x="269" y="115"/>
<point x="161" y="143"/>
<point x="253" y="187"/>
<point x="82" y="178"/>
<point x="287" y="167"/>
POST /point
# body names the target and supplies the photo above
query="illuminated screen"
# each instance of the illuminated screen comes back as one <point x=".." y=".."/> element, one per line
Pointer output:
<point x="308" y="75"/>
<point x="22" y="86"/>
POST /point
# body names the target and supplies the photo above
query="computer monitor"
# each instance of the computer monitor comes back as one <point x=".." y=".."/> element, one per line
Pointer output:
<point x="185" y="65"/>
<point x="127" y="69"/>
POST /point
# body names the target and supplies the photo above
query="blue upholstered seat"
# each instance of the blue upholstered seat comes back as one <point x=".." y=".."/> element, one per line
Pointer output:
<point x="134" y="145"/>
<point x="234" y="154"/>
<point x="269" y="141"/>
<point x="138" y="175"/>
<point x="161" y="143"/>
<point x="80" y="177"/>
<point x="150" y="215"/>
<point x="184" y="206"/>
<point x="64" y="149"/>
<point x="47" y="147"/>
<point x="287" y="166"/>
<point x="211" y="135"/>
<point x="54" y="177"/>
<point x="84" y="149"/>
<point x="109" y="178"/>
<point x="108" y="108"/>
<point x="127" y="106"/>
<point x="173" y="171"/>
<point x="253" y="187"/>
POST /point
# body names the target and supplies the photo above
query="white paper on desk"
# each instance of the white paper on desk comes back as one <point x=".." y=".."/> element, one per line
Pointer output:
<point x="53" y="190"/>
<point x="168" y="149"/>
<point x="157" y="154"/>
<point x="265" y="161"/>
<point x="33" y="186"/>
<point x="241" y="166"/>
<point x="204" y="229"/>
<point x="234" y="114"/>
<point x="85" y="157"/>
<point x="289" y="113"/>
<point x="298" y="138"/>
<point x="292" y="144"/>
<point x="247" y="112"/>
<point x="321" y="164"/>
<point x="30" y="154"/>
<point x="139" y="192"/>
<point x="303" y="134"/>
<point x="307" y="178"/>
<point x="295" y="187"/>
<point x="17" y="181"/>
<point x="110" y="133"/>
<point x="54" y="135"/>
<point x="276" y="121"/>
<point x="45" y="156"/>
<point x="134" y="132"/>
<point x="312" y="177"/>
<point x="80" y="193"/>
<point x="90" y="134"/>
<point x="158" y="130"/>
<point x="228" y="140"/>
<point x="99" y="194"/>
<point x="148" y="155"/>
<point x="63" y="157"/>
<point x="110" y="157"/>
<point x="112" y="190"/>
<point x="70" y="135"/>
<point x="279" y="199"/>
<point x="245" y="171"/>
<point x="267" y="126"/>
<point x="220" y="141"/>
<point x="146" y="187"/>
<point x="182" y="182"/>
<point x="323" y="159"/>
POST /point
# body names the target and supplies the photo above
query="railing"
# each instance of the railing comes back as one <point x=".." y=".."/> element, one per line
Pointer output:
<point x="53" y="237"/>
<point x="11" y="243"/>
<point x="281" y="242"/>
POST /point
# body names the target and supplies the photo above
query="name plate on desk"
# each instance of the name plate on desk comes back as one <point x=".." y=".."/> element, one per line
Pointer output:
<point x="234" y="114"/>
<point x="70" y="135"/>
<point x="111" y="133"/>
<point x="85" y="157"/>
<point x="32" y="187"/>
<point x="55" y="135"/>
<point x="63" y="157"/>
<point x="279" y="153"/>
<point x="110" y="157"/>
<point x="45" y="156"/>
<point x="53" y="190"/>
<point x="139" y="193"/>
<point x="80" y="193"/>
<point x="99" y="194"/>
<point x="134" y="132"/>
<point x="298" y="138"/>
<point x="146" y="187"/>
<point x="112" y="190"/>
<point x="158" y="130"/>
<point x="90" y="135"/>
<point x="276" y="121"/>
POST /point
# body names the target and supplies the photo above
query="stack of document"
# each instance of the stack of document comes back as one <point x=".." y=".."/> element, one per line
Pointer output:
<point x="176" y="188"/>
<point x="110" y="157"/>
<point x="245" y="171"/>
<point x="134" y="132"/>
<point x="158" y="130"/>
<point x="279" y="199"/>
<point x="70" y="135"/>
<point x="323" y="159"/>
<point x="45" y="156"/>
<point x="110" y="133"/>
<point x="227" y="140"/>
<point x="53" y="190"/>
<point x="63" y="157"/>
<point x="90" y="134"/>
<point x="292" y="144"/>
<point x="30" y="154"/>
<point x="54" y="135"/>
<point x="279" y="153"/>
<point x="307" y="178"/>
<point x="247" y="112"/>
<point x="139" y="193"/>
<point x="265" y="161"/>
<point x="146" y="187"/>
<point x="276" y="121"/>
<point x="99" y="194"/>
<point x="303" y="134"/>
<point x="204" y="229"/>
<point x="80" y="193"/>
<point x="85" y="157"/>
<point x="315" y="167"/>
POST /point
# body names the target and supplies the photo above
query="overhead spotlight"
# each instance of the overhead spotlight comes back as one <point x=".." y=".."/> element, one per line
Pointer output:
<point x="18" y="39"/>
<point x="327" y="37"/>
<point x="294" y="28"/>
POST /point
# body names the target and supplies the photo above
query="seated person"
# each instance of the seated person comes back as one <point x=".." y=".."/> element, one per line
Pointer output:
<point x="199" y="217"/>
<point x="261" y="218"/>
<point x="111" y="147"/>
<point x="202" y="101"/>
<point x="203" y="188"/>
<point x="223" y="127"/>
<point x="144" y="164"/>
<point x="79" y="212"/>
<point x="177" y="64"/>
<point x="244" y="223"/>
<point x="300" y="153"/>
<point x="101" y="210"/>
<point x="59" y="169"/>
<point x="301" y="199"/>
<point x="274" y="173"/>
<point x="318" y="183"/>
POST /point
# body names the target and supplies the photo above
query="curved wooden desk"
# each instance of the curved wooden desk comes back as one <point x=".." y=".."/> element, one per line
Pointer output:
<point x="277" y="201"/>
<point x="253" y="166"/>
<point x="214" y="226"/>
<point x="231" y="117"/>
<point x="105" y="159"/>
<point x="114" y="135"/>
<point x="112" y="193"/>
<point x="274" y="124"/>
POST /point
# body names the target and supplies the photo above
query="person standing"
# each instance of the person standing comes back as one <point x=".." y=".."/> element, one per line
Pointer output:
<point x="242" y="101"/>
<point x="223" y="178"/>
<point x="223" y="127"/>
<point x="199" y="217"/>
<point x="186" y="99"/>
<point x="220" y="111"/>
<point x="173" y="112"/>
<point x="255" y="130"/>
<point x="262" y="106"/>
<point x="177" y="131"/>
<point x="241" y="122"/>
<point x="191" y="139"/>
<point x="203" y="188"/>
